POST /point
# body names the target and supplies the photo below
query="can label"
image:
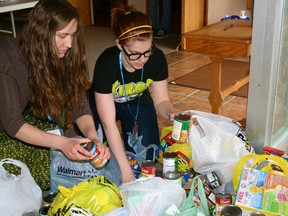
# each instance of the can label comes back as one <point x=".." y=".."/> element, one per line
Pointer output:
<point x="148" y="168"/>
<point x="222" y="200"/>
<point x="94" y="160"/>
<point x="169" y="162"/>
<point x="180" y="128"/>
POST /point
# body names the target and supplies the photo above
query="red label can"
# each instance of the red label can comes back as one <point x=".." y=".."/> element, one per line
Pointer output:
<point x="148" y="168"/>
<point x="222" y="200"/>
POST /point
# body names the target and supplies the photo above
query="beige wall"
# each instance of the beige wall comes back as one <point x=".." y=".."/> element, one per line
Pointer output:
<point x="218" y="9"/>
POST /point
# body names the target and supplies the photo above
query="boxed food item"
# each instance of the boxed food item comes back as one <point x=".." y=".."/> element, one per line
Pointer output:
<point x="263" y="192"/>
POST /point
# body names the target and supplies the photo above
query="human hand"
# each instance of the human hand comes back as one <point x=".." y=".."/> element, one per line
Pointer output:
<point x="170" y="117"/>
<point x="127" y="176"/>
<point x="73" y="150"/>
<point x="104" y="150"/>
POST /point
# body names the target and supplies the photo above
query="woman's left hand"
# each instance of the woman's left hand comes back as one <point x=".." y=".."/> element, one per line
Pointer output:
<point x="104" y="150"/>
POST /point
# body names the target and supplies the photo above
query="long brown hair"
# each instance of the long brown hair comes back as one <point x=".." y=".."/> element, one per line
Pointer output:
<point x="54" y="84"/>
<point x="129" y="24"/>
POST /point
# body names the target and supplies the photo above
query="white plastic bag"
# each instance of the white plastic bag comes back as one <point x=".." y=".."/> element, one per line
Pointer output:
<point x="18" y="193"/>
<point x="217" y="143"/>
<point x="151" y="196"/>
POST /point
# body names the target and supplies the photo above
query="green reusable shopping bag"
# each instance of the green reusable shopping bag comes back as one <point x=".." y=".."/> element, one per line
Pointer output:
<point x="189" y="208"/>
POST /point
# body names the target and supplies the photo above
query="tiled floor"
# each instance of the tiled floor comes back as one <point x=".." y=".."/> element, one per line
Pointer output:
<point x="183" y="98"/>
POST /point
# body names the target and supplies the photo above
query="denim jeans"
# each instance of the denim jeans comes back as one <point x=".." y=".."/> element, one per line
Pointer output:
<point x="147" y="124"/>
<point x="162" y="22"/>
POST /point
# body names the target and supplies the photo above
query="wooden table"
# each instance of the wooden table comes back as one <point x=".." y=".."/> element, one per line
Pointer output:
<point x="13" y="5"/>
<point x="230" y="38"/>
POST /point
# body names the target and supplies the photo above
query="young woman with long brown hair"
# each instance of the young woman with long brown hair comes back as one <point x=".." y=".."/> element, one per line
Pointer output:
<point x="44" y="73"/>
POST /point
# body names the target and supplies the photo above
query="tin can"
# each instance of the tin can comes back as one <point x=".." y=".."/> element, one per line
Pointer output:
<point x="180" y="127"/>
<point x="94" y="160"/>
<point x="169" y="162"/>
<point x="256" y="214"/>
<point x="213" y="180"/>
<point x="48" y="197"/>
<point x="43" y="211"/>
<point x="148" y="168"/>
<point x="173" y="176"/>
<point x="31" y="212"/>
<point x="222" y="200"/>
<point x="231" y="210"/>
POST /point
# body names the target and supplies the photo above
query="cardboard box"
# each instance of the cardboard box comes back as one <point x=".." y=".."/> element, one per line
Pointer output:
<point x="263" y="192"/>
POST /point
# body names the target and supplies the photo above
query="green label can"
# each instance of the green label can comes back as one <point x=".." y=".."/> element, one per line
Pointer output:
<point x="180" y="127"/>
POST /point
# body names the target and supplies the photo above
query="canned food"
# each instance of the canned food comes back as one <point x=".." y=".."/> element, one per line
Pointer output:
<point x="213" y="180"/>
<point x="148" y="168"/>
<point x="48" y="197"/>
<point x="169" y="162"/>
<point x="180" y="127"/>
<point x="31" y="212"/>
<point x="256" y="214"/>
<point x="173" y="176"/>
<point x="231" y="210"/>
<point x="43" y="211"/>
<point x="94" y="160"/>
<point x="222" y="200"/>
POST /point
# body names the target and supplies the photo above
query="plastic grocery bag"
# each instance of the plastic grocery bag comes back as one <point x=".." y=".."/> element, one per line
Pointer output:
<point x="217" y="143"/>
<point x="95" y="196"/>
<point x="190" y="207"/>
<point x="151" y="196"/>
<point x="68" y="173"/>
<point x="18" y="193"/>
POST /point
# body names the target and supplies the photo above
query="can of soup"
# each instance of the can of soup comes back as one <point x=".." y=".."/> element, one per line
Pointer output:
<point x="148" y="168"/>
<point x="180" y="127"/>
<point x="231" y="210"/>
<point x="48" y="197"/>
<point x="222" y="200"/>
<point x="31" y="212"/>
<point x="43" y="211"/>
<point x="94" y="160"/>
<point x="169" y="162"/>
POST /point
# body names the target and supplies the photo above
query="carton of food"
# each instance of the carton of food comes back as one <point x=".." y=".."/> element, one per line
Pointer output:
<point x="263" y="192"/>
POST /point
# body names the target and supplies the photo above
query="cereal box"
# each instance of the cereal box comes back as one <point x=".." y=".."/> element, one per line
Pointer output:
<point x="263" y="192"/>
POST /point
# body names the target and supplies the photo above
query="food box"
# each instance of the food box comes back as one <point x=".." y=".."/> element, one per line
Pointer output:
<point x="263" y="192"/>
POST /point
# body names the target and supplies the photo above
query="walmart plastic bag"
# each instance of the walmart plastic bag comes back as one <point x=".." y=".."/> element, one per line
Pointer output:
<point x="217" y="143"/>
<point x="151" y="196"/>
<point x="95" y="196"/>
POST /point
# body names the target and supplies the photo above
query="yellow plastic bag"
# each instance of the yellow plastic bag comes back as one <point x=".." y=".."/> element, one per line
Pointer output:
<point x="95" y="196"/>
<point x="267" y="163"/>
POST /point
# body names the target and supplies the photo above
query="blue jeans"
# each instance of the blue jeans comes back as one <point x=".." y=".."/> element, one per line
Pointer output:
<point x="162" y="22"/>
<point x="147" y="123"/>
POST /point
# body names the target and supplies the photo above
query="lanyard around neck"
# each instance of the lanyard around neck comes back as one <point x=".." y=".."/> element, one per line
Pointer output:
<point x="124" y="87"/>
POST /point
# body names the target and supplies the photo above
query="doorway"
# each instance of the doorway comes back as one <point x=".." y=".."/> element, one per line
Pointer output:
<point x="102" y="11"/>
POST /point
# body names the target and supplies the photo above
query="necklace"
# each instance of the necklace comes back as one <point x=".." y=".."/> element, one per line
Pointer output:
<point x="124" y="89"/>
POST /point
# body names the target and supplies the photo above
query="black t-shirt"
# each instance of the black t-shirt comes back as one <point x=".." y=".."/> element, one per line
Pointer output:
<point x="107" y="76"/>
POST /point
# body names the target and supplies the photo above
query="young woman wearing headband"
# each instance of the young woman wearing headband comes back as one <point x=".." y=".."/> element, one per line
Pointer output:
<point x="130" y="85"/>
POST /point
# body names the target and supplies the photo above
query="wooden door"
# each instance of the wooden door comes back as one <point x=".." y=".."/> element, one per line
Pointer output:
<point x="193" y="15"/>
<point x="84" y="9"/>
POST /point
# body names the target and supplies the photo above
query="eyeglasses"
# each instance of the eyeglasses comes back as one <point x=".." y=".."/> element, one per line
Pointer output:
<point x="136" y="56"/>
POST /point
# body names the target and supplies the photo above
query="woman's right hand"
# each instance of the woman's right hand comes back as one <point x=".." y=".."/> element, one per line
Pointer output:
<point x="73" y="150"/>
